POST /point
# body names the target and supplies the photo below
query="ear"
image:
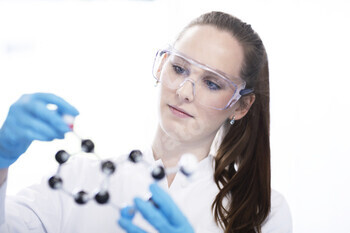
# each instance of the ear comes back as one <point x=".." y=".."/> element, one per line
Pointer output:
<point x="242" y="106"/>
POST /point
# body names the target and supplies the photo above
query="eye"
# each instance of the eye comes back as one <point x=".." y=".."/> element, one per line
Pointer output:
<point x="211" y="85"/>
<point x="179" y="70"/>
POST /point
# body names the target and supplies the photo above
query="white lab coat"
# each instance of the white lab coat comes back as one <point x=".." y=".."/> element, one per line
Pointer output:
<point x="40" y="209"/>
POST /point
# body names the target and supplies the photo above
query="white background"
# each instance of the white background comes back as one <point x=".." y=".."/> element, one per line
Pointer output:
<point x="98" y="55"/>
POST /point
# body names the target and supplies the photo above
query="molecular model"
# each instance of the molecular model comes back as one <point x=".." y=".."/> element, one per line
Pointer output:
<point x="187" y="165"/>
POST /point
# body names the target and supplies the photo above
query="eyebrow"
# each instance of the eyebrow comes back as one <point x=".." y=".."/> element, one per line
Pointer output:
<point x="230" y="78"/>
<point x="178" y="58"/>
<point x="211" y="73"/>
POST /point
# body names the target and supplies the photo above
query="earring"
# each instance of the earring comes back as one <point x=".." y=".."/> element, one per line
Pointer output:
<point x="156" y="84"/>
<point x="232" y="121"/>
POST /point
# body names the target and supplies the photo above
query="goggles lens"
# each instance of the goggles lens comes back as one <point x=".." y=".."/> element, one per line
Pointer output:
<point x="210" y="88"/>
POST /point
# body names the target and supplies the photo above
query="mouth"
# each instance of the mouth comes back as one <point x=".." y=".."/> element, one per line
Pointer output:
<point x="179" y="112"/>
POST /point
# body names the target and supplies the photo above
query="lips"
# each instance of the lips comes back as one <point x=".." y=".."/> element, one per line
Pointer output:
<point x="179" y="112"/>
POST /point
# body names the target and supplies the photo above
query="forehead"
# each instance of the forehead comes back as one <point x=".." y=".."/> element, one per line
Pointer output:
<point x="215" y="48"/>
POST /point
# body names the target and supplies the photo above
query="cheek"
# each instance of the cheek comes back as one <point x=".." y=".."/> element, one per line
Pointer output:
<point x="206" y="122"/>
<point x="216" y="115"/>
<point x="164" y="93"/>
<point x="213" y="119"/>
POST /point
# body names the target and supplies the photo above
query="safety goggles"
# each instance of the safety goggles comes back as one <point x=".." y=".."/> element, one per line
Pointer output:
<point x="210" y="87"/>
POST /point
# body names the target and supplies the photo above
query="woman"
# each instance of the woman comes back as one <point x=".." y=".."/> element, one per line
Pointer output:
<point x="214" y="87"/>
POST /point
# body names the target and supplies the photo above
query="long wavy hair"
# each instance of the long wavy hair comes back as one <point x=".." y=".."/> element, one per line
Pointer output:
<point x="242" y="161"/>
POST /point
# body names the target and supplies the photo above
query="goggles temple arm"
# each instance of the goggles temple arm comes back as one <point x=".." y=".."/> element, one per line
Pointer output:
<point x="246" y="91"/>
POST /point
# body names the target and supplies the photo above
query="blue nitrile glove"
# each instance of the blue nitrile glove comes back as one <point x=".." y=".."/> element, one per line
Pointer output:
<point x="29" y="119"/>
<point x="166" y="217"/>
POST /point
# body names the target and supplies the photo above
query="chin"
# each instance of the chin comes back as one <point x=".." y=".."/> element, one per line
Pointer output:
<point x="178" y="131"/>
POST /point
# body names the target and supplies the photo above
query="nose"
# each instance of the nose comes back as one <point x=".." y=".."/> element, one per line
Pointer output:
<point x="186" y="90"/>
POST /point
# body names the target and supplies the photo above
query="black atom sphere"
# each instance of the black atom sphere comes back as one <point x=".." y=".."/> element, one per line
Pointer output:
<point x="81" y="197"/>
<point x="158" y="173"/>
<point x="87" y="146"/>
<point x="108" y="167"/>
<point x="62" y="156"/>
<point x="55" y="182"/>
<point x="102" y="197"/>
<point x="135" y="156"/>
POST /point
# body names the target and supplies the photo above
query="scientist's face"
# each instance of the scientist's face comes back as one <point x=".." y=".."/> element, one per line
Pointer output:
<point x="181" y="115"/>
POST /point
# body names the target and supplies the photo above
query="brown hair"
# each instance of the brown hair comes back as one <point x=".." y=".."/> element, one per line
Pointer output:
<point x="246" y="144"/>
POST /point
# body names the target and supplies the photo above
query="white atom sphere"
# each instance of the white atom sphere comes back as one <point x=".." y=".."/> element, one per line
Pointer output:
<point x="188" y="163"/>
<point x="68" y="119"/>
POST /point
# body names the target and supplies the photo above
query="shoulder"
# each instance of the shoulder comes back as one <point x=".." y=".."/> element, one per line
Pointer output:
<point x="279" y="220"/>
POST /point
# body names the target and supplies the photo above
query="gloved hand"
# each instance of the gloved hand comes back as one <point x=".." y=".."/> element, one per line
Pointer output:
<point x="166" y="217"/>
<point x="29" y="119"/>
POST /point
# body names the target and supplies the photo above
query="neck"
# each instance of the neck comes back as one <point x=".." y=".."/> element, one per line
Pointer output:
<point x="170" y="149"/>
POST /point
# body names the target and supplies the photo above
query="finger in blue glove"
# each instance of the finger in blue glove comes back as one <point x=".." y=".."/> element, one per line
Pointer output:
<point x="128" y="212"/>
<point x="166" y="217"/>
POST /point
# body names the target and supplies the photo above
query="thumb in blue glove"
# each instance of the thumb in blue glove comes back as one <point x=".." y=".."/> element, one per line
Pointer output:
<point x="29" y="119"/>
<point x="166" y="217"/>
